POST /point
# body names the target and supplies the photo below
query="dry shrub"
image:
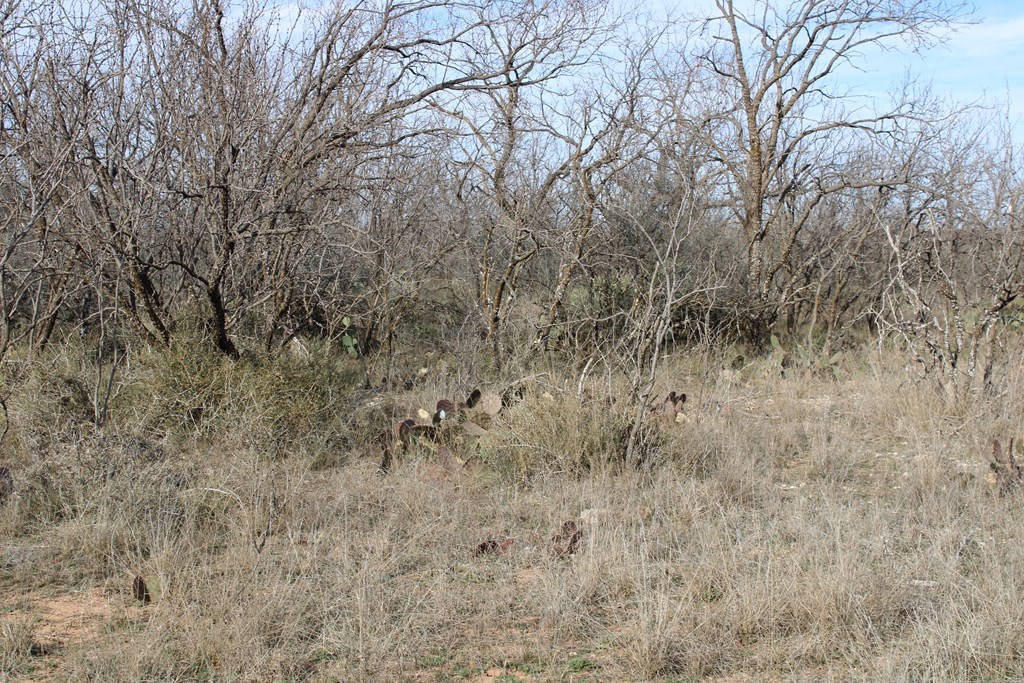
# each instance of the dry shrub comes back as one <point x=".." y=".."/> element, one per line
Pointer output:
<point x="96" y="503"/>
<point x="555" y="433"/>
<point x="50" y="402"/>
<point x="17" y="647"/>
<point x="275" y="405"/>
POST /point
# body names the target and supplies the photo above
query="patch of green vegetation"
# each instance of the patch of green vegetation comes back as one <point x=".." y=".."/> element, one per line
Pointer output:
<point x="530" y="664"/>
<point x="579" y="664"/>
<point x="438" y="659"/>
<point x="321" y="655"/>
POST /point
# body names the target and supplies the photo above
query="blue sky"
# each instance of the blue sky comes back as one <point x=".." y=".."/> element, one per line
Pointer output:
<point x="982" y="62"/>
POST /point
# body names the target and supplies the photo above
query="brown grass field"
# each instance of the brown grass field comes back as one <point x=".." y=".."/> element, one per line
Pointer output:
<point x="793" y="525"/>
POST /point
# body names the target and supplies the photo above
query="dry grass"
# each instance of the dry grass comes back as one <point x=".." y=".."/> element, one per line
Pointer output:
<point x="821" y="526"/>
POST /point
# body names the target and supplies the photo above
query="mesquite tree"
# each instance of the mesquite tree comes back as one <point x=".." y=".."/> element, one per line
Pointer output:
<point x="956" y="247"/>
<point x="773" y="103"/>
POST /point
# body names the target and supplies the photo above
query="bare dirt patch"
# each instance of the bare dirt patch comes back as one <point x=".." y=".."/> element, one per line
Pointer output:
<point x="66" y="620"/>
<point x="496" y="674"/>
<point x="62" y="624"/>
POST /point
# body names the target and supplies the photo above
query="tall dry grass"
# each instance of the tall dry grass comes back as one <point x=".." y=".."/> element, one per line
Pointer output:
<point x="814" y="526"/>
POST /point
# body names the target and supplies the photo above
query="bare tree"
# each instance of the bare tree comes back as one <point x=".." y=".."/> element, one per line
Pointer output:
<point x="39" y="194"/>
<point x="166" y="161"/>
<point x="664" y="275"/>
<point x="771" y="105"/>
<point x="521" y="139"/>
<point x="605" y="135"/>
<point x="214" y="139"/>
<point x="956" y="262"/>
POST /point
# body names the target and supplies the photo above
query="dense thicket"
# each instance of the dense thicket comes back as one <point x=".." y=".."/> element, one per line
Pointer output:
<point x="315" y="324"/>
<point x="530" y="171"/>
